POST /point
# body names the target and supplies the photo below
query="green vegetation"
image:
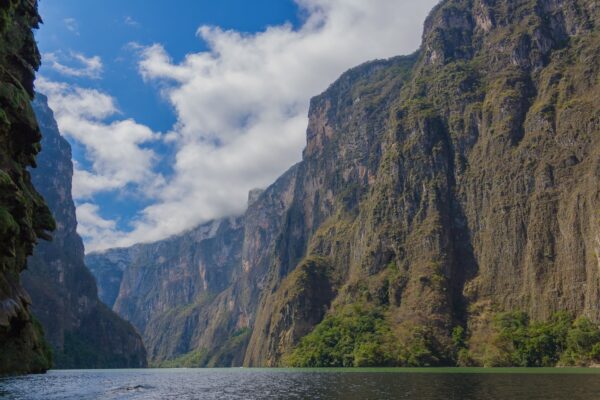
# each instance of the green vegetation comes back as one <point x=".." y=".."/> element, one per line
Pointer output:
<point x="358" y="336"/>
<point x="200" y="358"/>
<point x="77" y="351"/>
<point x="24" y="216"/>
<point x="25" y="350"/>
<point x="583" y="343"/>
<point x="193" y="359"/>
<point x="561" y="340"/>
<point x="231" y="349"/>
<point x="42" y="360"/>
<point x="103" y="340"/>
<point x="81" y="351"/>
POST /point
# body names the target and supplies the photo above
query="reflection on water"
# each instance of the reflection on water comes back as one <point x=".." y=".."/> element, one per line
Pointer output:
<point x="224" y="384"/>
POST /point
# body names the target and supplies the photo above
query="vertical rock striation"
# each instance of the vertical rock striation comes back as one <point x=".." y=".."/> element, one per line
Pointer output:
<point x="435" y="189"/>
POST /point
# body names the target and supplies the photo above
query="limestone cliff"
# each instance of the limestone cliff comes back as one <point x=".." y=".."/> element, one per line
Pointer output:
<point x="82" y="331"/>
<point x="24" y="216"/>
<point x="193" y="296"/>
<point x="435" y="190"/>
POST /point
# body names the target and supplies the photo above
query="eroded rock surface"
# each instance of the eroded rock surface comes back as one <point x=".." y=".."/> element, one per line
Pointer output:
<point x="439" y="188"/>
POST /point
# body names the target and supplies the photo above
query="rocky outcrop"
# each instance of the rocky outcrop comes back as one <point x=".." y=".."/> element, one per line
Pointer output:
<point x="82" y="331"/>
<point x="24" y="216"/>
<point x="436" y="189"/>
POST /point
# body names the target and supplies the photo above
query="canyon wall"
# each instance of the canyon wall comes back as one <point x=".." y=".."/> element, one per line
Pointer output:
<point x="435" y="191"/>
<point x="82" y="331"/>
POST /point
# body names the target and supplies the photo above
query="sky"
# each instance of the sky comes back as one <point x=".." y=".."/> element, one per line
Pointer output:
<point x="176" y="109"/>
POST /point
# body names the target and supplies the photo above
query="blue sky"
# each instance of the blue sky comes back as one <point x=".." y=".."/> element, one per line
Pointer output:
<point x="176" y="109"/>
<point x="104" y="28"/>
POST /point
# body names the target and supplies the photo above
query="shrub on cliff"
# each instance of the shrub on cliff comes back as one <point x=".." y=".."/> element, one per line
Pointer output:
<point x="358" y="336"/>
<point x="561" y="340"/>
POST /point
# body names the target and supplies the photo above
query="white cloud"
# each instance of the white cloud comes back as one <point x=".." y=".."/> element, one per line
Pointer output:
<point x="76" y="101"/>
<point x="80" y="65"/>
<point x="91" y="226"/>
<point x="115" y="149"/>
<point x="242" y="106"/>
<point x="72" y="25"/>
<point x="241" y="112"/>
<point x="128" y="20"/>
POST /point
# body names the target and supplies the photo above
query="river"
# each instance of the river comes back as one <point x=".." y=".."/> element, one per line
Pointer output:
<point x="353" y="384"/>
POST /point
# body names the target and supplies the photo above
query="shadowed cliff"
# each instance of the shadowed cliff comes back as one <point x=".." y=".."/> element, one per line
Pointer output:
<point x="82" y="331"/>
<point x="24" y="217"/>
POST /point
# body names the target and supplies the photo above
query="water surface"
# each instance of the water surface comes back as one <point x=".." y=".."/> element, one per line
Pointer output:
<point x="353" y="384"/>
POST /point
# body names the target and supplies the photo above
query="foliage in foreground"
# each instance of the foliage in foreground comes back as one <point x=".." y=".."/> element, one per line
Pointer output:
<point x="355" y="337"/>
<point x="559" y="341"/>
<point x="360" y="336"/>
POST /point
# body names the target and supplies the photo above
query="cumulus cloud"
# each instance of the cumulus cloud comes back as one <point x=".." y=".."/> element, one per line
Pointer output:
<point x="115" y="149"/>
<point x="90" y="225"/>
<point x="242" y="106"/>
<point x="75" y="64"/>
<point x="241" y="112"/>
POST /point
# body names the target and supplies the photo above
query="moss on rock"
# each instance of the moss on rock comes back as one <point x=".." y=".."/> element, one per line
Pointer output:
<point x="24" y="216"/>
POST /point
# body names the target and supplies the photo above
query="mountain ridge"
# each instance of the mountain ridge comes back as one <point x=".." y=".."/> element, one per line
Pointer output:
<point x="437" y="191"/>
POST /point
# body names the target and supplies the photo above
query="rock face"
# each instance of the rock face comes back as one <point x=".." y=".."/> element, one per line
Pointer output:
<point x="83" y="332"/>
<point x="190" y="269"/>
<point x="193" y="296"/>
<point x="438" y="188"/>
<point x="24" y="216"/>
<point x="108" y="268"/>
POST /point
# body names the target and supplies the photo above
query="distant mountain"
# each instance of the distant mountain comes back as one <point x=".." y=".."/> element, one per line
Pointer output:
<point x="24" y="217"/>
<point x="445" y="212"/>
<point x="182" y="293"/>
<point x="83" y="332"/>
<point x="171" y="281"/>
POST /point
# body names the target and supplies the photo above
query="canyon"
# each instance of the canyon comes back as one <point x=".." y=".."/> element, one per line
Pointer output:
<point x="436" y="191"/>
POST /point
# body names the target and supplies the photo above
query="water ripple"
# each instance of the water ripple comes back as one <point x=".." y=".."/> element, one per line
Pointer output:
<point x="250" y="384"/>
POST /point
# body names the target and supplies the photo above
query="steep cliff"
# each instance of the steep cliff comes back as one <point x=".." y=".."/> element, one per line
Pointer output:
<point x="82" y="331"/>
<point x="24" y="216"/>
<point x="436" y="191"/>
<point x="191" y="269"/>
<point x="107" y="268"/>
<point x="193" y="296"/>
